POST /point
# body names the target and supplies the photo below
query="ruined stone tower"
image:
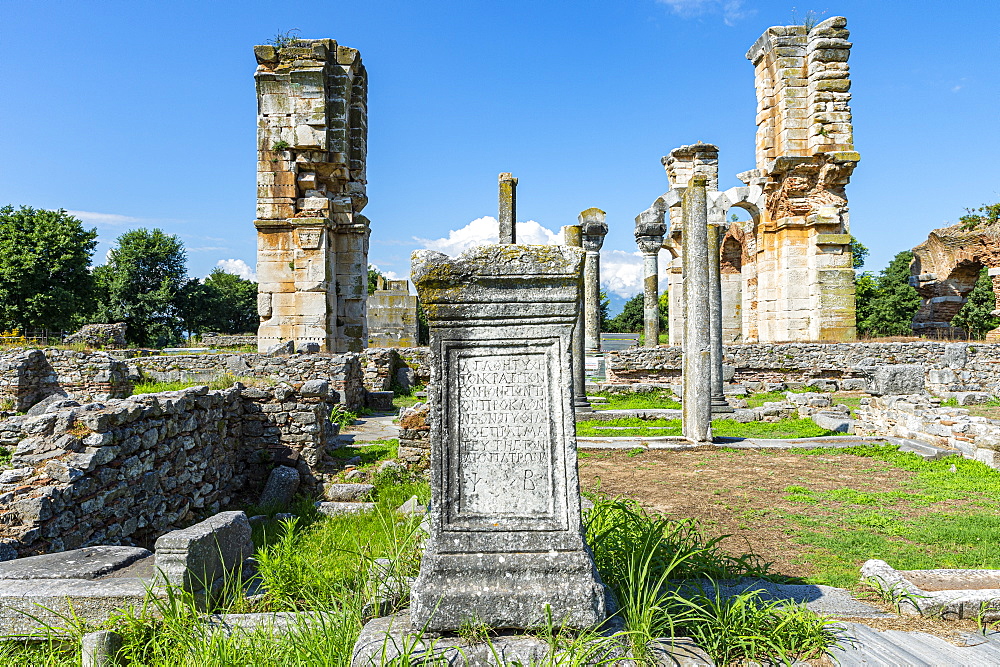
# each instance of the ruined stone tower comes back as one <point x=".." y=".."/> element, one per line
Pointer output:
<point x="312" y="241"/>
<point x="805" y="156"/>
<point x="787" y="273"/>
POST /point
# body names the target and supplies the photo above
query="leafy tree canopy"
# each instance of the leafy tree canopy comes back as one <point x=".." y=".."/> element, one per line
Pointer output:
<point x="859" y="253"/>
<point x="976" y="315"/>
<point x="45" y="282"/>
<point x="886" y="304"/>
<point x="630" y="319"/>
<point x="223" y="302"/>
<point x="140" y="286"/>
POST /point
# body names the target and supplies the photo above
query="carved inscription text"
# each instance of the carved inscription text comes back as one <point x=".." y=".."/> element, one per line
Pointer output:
<point x="504" y="434"/>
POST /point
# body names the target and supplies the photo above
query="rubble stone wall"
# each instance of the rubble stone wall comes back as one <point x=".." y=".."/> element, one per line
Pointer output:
<point x="950" y="366"/>
<point x="131" y="470"/>
<point x="343" y="371"/>
<point x="922" y="418"/>
<point x="383" y="367"/>
<point x="228" y="340"/>
<point x="28" y="376"/>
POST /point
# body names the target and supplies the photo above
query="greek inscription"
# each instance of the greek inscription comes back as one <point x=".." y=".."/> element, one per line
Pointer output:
<point x="504" y="433"/>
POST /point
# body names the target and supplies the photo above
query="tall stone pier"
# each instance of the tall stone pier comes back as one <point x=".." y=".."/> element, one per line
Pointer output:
<point x="696" y="422"/>
<point x="594" y="230"/>
<point x="506" y="540"/>
<point x="312" y="241"/>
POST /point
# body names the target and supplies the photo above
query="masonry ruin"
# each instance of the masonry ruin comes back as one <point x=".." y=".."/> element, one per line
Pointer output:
<point x="787" y="272"/>
<point x="312" y="241"/>
<point x="944" y="270"/>
<point x="392" y="315"/>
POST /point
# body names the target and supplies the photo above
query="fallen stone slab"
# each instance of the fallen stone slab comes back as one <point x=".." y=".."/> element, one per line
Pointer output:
<point x="348" y="492"/>
<point x="862" y="646"/>
<point x="833" y="422"/>
<point x="86" y="563"/>
<point x="678" y="652"/>
<point x="343" y="509"/>
<point x="275" y="624"/>
<point x="196" y="556"/>
<point x="922" y="449"/>
<point x="32" y="606"/>
<point x="820" y="599"/>
<point x="280" y="488"/>
<point x="412" y="506"/>
<point x="387" y="639"/>
<point x="945" y="592"/>
<point x="607" y="415"/>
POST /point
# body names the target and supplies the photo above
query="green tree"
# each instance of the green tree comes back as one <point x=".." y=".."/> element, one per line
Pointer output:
<point x="223" y="302"/>
<point x="602" y="311"/>
<point x="887" y="304"/>
<point x="859" y="253"/>
<point x="984" y="216"/>
<point x="975" y="315"/>
<point x="140" y="285"/>
<point x="373" y="276"/>
<point x="630" y="319"/>
<point x="45" y="282"/>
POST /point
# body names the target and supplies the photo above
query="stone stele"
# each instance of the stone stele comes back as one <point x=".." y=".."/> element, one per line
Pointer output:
<point x="506" y="539"/>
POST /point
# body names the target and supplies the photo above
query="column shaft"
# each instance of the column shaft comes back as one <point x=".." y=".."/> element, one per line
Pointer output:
<point x="651" y="299"/>
<point x="697" y="404"/>
<point x="719" y="403"/>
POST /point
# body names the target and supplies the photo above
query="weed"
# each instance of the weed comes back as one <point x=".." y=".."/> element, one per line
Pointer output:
<point x="5" y="457"/>
<point x="893" y="594"/>
<point x="342" y="417"/>
<point x="283" y="39"/>
<point x="280" y="146"/>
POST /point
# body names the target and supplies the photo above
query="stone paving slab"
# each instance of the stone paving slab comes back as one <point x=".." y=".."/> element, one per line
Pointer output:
<point x="29" y="606"/>
<point x="86" y="563"/>
<point x="861" y="646"/>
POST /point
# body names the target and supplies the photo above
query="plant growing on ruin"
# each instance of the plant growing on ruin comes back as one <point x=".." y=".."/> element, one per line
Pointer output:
<point x="986" y="215"/>
<point x="280" y="145"/>
<point x="341" y="416"/>
<point x="283" y="39"/>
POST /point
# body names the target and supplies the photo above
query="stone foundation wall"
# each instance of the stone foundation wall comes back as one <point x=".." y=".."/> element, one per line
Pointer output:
<point x="342" y="371"/>
<point x="228" y="340"/>
<point x="383" y="367"/>
<point x="28" y="376"/>
<point x="922" y="418"/>
<point x="949" y="366"/>
<point x="136" y="468"/>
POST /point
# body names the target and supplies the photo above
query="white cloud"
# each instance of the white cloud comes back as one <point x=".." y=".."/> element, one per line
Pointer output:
<point x="389" y="275"/>
<point x="238" y="267"/>
<point x="104" y="219"/>
<point x="485" y="230"/>
<point x="621" y="272"/>
<point x="731" y="10"/>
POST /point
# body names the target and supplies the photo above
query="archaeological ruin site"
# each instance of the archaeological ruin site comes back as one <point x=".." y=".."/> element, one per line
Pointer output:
<point x="519" y="488"/>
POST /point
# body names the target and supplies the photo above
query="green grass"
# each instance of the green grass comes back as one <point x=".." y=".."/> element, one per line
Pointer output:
<point x="222" y="382"/>
<point x="645" y="401"/>
<point x="5" y="456"/>
<point x="635" y="427"/>
<point x="938" y="519"/>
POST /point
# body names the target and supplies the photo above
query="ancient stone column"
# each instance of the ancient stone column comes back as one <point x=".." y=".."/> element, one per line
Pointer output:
<point x="594" y="231"/>
<point x="573" y="237"/>
<point x="506" y="545"/>
<point x="697" y="404"/>
<point x="649" y="231"/>
<point x="714" y="236"/>
<point x="507" y="215"/>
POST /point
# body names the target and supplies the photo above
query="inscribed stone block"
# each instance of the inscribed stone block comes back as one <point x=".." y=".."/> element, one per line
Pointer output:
<point x="506" y="541"/>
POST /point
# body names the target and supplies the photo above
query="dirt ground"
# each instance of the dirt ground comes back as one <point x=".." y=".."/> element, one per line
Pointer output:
<point x="734" y="493"/>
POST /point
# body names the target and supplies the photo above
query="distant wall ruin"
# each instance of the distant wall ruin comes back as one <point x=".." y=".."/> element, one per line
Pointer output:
<point x="392" y="315"/>
<point x="312" y="241"/>
<point x="944" y="270"/>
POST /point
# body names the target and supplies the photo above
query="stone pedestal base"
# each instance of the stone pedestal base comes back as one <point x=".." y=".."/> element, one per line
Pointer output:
<point x="508" y="590"/>
<point x="396" y="638"/>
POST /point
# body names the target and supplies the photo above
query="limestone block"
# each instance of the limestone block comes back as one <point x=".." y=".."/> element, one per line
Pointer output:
<point x="896" y="379"/>
<point x="195" y="557"/>
<point x="282" y="483"/>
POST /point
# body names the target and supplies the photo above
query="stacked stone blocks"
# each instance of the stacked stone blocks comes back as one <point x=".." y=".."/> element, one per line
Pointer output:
<point x="312" y="239"/>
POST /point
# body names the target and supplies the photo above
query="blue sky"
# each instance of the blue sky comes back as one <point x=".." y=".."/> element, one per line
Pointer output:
<point x="143" y="113"/>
